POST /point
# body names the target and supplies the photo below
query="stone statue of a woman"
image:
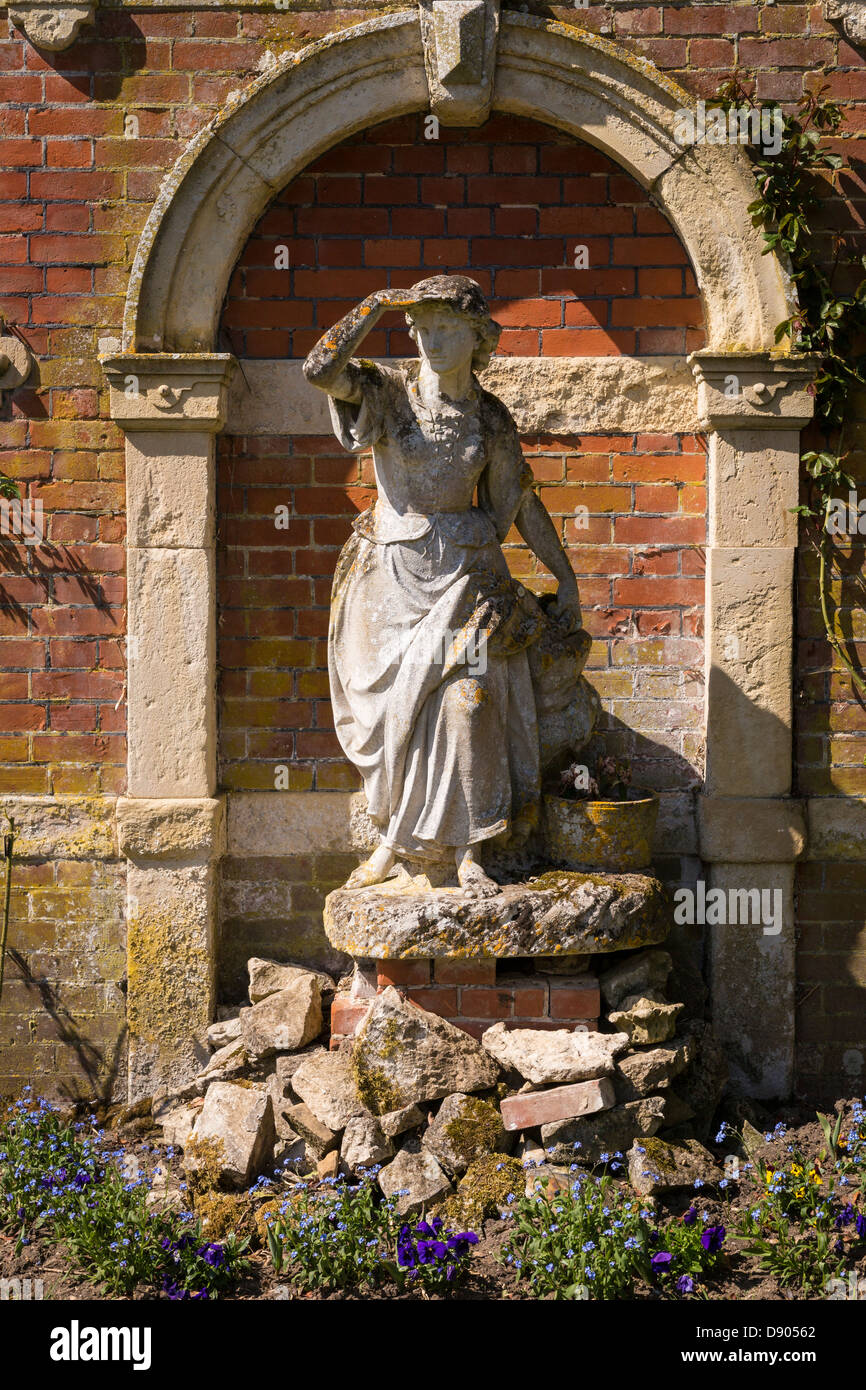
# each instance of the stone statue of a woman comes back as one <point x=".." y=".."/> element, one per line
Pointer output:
<point x="429" y="642"/>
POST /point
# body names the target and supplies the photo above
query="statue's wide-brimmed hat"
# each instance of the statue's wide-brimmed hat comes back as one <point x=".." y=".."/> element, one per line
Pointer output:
<point x="460" y="293"/>
<point x="466" y="298"/>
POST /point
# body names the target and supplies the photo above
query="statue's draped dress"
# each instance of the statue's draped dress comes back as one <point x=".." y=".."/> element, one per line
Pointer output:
<point x="430" y="682"/>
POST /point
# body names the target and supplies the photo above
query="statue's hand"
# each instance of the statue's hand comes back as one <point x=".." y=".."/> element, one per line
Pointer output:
<point x="566" y="610"/>
<point x="393" y="299"/>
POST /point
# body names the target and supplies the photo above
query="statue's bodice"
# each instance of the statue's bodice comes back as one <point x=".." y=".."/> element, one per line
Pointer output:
<point x="429" y="463"/>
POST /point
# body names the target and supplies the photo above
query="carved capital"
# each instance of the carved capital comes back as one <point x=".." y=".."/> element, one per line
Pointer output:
<point x="460" y="38"/>
<point x="753" y="389"/>
<point x="852" y="14"/>
<point x="169" y="390"/>
<point x="53" y="27"/>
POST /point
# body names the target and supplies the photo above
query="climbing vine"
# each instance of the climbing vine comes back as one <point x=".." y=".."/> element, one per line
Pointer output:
<point x="830" y="320"/>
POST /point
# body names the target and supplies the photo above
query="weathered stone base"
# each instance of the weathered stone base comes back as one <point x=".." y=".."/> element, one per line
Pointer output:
<point x="558" y="913"/>
<point x="472" y="994"/>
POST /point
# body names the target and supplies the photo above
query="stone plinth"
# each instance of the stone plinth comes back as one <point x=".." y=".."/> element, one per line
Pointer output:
<point x="558" y="913"/>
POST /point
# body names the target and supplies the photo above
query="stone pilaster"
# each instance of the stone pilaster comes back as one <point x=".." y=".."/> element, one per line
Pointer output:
<point x="170" y="827"/>
<point x="751" y="832"/>
<point x="172" y="847"/>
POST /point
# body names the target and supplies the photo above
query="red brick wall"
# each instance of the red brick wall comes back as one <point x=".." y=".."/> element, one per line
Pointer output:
<point x="506" y="204"/>
<point x="639" y="564"/>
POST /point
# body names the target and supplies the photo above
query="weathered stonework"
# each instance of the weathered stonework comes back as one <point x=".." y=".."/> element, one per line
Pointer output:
<point x="559" y="914"/>
<point x="562" y="395"/>
<point x="51" y="27"/>
<point x="169" y="474"/>
<point x="171" y="846"/>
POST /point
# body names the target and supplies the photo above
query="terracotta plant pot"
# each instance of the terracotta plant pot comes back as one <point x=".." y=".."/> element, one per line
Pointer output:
<point x="612" y="835"/>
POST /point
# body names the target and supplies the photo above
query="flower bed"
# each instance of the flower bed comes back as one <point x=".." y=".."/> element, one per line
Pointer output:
<point x="785" y="1219"/>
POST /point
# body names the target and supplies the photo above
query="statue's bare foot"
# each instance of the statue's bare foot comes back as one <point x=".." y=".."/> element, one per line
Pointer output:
<point x="373" y="870"/>
<point x="472" y="877"/>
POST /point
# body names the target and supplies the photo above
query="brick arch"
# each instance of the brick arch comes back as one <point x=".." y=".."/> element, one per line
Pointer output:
<point x="505" y="202"/>
<point x="586" y="86"/>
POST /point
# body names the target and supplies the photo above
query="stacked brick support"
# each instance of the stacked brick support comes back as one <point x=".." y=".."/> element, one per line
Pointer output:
<point x="475" y="994"/>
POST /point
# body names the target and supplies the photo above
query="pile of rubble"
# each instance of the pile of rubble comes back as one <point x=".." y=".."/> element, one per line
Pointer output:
<point x="423" y="1101"/>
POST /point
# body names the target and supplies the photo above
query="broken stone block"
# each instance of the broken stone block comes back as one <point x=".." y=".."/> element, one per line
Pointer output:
<point x="239" y="1122"/>
<point x="464" y="1129"/>
<point x="677" y="1112"/>
<point x="559" y="1055"/>
<point x="177" y="1122"/>
<point x="329" y="1166"/>
<point x="287" y="1064"/>
<point x="284" y="1021"/>
<point x="281" y="1107"/>
<point x="612" y="1131"/>
<point x="403" y="1054"/>
<point x="416" y="1175"/>
<point x="326" y="1083"/>
<point x="269" y="977"/>
<point x="396" y="1122"/>
<point x="223" y="1032"/>
<point x="560" y="1103"/>
<point x="229" y="1063"/>
<point x="364" y="1144"/>
<point x="318" y="1138"/>
<point x="655" y="1166"/>
<point x="646" y="1020"/>
<point x="529" y="1151"/>
<point x="640" y="1073"/>
<point x="547" y="1180"/>
<point x="647" y="972"/>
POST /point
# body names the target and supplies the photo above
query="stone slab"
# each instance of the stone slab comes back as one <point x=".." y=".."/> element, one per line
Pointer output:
<point x="562" y="395"/>
<point x="559" y="913"/>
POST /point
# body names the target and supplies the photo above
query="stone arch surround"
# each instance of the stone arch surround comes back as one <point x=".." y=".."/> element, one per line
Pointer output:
<point x="170" y="393"/>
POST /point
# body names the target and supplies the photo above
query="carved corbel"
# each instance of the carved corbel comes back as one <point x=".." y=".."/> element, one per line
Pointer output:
<point x="460" y="38"/>
<point x="52" y="27"/>
<point x="852" y="14"/>
<point x="16" y="362"/>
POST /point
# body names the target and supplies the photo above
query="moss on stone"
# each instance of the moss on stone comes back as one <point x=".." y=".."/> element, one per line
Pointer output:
<point x="658" y="1153"/>
<point x="484" y="1190"/>
<point x="223" y="1214"/>
<point x="475" y="1131"/>
<point x="203" y="1161"/>
<point x="563" y="881"/>
<point x="375" y="1090"/>
<point x="390" y="1044"/>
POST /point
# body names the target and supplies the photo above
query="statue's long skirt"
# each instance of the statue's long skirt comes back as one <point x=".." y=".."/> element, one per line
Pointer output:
<point x="431" y="690"/>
